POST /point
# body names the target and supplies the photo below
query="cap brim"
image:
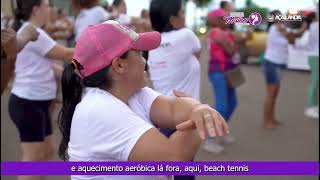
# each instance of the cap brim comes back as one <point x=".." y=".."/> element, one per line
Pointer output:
<point x="147" y="41"/>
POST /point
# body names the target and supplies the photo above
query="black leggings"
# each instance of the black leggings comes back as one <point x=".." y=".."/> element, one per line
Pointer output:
<point x="32" y="118"/>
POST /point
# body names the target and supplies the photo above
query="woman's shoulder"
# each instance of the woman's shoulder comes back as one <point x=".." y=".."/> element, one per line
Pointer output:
<point x="98" y="10"/>
<point x="181" y="34"/>
<point x="42" y="38"/>
<point x="187" y="31"/>
<point x="97" y="106"/>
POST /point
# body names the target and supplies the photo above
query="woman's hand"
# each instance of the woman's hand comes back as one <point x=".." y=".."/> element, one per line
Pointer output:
<point x="9" y="42"/>
<point x="205" y="119"/>
<point x="29" y="33"/>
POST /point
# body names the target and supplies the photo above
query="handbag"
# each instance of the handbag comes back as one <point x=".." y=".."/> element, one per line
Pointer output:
<point x="235" y="77"/>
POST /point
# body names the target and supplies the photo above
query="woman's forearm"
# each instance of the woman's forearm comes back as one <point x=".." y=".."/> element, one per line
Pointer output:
<point x="7" y="69"/>
<point x="186" y="144"/>
<point x="182" y="108"/>
<point x="168" y="111"/>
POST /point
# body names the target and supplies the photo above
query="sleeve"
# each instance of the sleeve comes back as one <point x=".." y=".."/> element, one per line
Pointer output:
<point x="115" y="131"/>
<point x="146" y="97"/>
<point x="44" y="43"/>
<point x="193" y="41"/>
<point x="137" y="127"/>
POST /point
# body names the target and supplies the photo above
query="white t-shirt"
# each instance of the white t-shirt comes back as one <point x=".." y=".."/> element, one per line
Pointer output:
<point x="106" y="129"/>
<point x="173" y="64"/>
<point x="277" y="46"/>
<point x="34" y="77"/>
<point x="87" y="17"/>
<point x="3" y="22"/>
<point x="123" y="19"/>
<point x="313" y="45"/>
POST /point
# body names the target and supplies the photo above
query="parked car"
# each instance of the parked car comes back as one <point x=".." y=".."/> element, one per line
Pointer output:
<point x="254" y="46"/>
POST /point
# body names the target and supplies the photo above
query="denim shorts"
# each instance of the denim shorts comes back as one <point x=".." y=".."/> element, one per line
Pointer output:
<point x="272" y="71"/>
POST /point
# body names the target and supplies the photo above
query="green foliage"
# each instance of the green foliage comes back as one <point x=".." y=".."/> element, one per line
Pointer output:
<point x="201" y="3"/>
<point x="252" y="7"/>
<point x="262" y="11"/>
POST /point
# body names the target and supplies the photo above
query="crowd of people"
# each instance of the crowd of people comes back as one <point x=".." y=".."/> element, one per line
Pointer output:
<point x="131" y="85"/>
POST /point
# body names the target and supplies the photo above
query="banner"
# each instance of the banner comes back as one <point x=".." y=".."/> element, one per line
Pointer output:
<point x="237" y="168"/>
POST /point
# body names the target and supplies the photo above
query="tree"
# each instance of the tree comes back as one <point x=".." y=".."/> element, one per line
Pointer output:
<point x="199" y="4"/>
<point x="202" y="3"/>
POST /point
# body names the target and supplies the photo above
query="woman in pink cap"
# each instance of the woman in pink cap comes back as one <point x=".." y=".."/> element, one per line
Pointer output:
<point x="108" y="113"/>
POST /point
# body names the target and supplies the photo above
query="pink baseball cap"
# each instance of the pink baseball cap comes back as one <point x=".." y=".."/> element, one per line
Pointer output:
<point x="216" y="13"/>
<point x="99" y="44"/>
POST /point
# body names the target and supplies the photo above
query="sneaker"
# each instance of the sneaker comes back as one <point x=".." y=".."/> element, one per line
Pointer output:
<point x="312" y="112"/>
<point x="227" y="139"/>
<point x="210" y="145"/>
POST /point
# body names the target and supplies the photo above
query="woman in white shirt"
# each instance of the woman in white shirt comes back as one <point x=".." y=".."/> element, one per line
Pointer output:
<point x="174" y="64"/>
<point x="89" y="13"/>
<point x="276" y="57"/>
<point x="119" y="12"/>
<point x="34" y="85"/>
<point x="108" y="113"/>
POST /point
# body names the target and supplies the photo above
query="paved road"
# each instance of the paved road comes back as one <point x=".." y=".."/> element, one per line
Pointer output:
<point x="296" y="140"/>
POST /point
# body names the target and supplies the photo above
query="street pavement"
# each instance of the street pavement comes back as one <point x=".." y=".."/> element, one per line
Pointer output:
<point x="297" y="139"/>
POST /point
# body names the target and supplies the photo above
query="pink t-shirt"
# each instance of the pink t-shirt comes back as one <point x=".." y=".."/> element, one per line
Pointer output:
<point x="220" y="61"/>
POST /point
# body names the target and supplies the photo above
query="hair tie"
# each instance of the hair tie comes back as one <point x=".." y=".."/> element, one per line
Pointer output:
<point x="76" y="69"/>
<point x="74" y="64"/>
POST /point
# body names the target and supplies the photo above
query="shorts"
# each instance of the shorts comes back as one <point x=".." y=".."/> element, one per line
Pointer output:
<point x="272" y="71"/>
<point x="32" y="118"/>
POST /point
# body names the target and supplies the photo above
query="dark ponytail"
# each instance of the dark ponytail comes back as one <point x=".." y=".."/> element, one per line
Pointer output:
<point x="72" y="86"/>
<point x="22" y="10"/>
<point x="18" y="16"/>
<point x="160" y="13"/>
<point x="71" y="95"/>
